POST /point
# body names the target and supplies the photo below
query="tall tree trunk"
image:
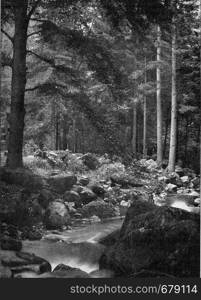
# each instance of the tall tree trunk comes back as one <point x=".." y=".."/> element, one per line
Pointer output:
<point x="173" y="130"/>
<point x="145" y="115"/>
<point x="0" y="87"/>
<point x="65" y="131"/>
<point x="159" y="103"/>
<point x="16" y="120"/>
<point x="186" y="141"/>
<point x="200" y="116"/>
<point x="74" y="136"/>
<point x="134" y="137"/>
<point x="166" y="136"/>
<point x="57" y="132"/>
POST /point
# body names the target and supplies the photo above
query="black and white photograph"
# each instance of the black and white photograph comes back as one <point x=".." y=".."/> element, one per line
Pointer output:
<point x="100" y="134"/>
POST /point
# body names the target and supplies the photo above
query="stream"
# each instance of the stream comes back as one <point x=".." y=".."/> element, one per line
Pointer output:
<point x="80" y="247"/>
<point x="77" y="248"/>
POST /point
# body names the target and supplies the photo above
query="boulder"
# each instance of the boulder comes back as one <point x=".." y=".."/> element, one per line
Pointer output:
<point x="179" y="170"/>
<point x="98" y="189"/>
<point x="5" y="272"/>
<point x="185" y="179"/>
<point x="45" y="197"/>
<point x="56" y="215"/>
<point x="72" y="196"/>
<point x="196" y="182"/>
<point x="197" y="202"/>
<point x="98" y="208"/>
<point x="87" y="195"/>
<point x="63" y="271"/>
<point x="19" y="262"/>
<point x="84" y="181"/>
<point x="171" y="188"/>
<point x="125" y="181"/>
<point x="62" y="183"/>
<point x="24" y="178"/>
<point x="91" y="161"/>
<point x="162" y="239"/>
<point x="8" y="243"/>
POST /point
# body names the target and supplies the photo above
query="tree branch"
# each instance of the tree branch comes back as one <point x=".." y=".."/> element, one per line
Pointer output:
<point x="8" y="36"/>
<point x="43" y="58"/>
<point x="33" y="9"/>
<point x="33" y="33"/>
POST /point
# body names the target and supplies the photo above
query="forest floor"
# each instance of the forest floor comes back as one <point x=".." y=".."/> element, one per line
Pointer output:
<point x="58" y="191"/>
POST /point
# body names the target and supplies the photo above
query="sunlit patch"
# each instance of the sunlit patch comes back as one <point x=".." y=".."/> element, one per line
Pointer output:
<point x="181" y="205"/>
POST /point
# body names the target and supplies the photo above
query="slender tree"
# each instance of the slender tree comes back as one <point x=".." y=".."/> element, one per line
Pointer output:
<point x="145" y="115"/>
<point x="159" y="103"/>
<point x="173" y="130"/>
<point x="0" y="80"/>
<point x="134" y="135"/>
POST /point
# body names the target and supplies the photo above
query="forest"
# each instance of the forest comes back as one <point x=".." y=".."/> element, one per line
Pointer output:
<point x="100" y="134"/>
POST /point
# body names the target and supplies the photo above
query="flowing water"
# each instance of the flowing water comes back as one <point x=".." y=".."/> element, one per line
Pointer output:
<point x="78" y="248"/>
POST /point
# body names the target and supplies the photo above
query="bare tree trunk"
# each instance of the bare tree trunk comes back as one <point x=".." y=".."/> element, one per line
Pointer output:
<point x="57" y="132"/>
<point x="0" y="85"/>
<point x="74" y="136"/>
<point x="186" y="140"/>
<point x="166" y="136"/>
<point x="173" y="131"/>
<point x="200" y="110"/>
<point x="134" y="137"/>
<point x="145" y="116"/>
<point x="17" y="114"/>
<point x="159" y="103"/>
<point x="53" y="125"/>
<point x="65" y="131"/>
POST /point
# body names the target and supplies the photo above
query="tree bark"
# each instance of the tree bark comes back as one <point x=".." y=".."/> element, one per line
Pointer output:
<point x="57" y="132"/>
<point x="173" y="130"/>
<point x="134" y="137"/>
<point x="166" y="136"/>
<point x="65" y="131"/>
<point x="16" y="120"/>
<point x="159" y="103"/>
<point x="145" y="116"/>
<point x="0" y="85"/>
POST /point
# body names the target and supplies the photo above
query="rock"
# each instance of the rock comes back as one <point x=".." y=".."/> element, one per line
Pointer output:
<point x="45" y="197"/>
<point x="63" y="271"/>
<point x="194" y="194"/>
<point x="110" y="239"/>
<point x="124" y="205"/>
<point x="78" y="189"/>
<point x="98" y="189"/>
<point x="5" y="272"/>
<point x="196" y="182"/>
<point x="72" y="196"/>
<point x="20" y="262"/>
<point x="8" y="243"/>
<point x="31" y="234"/>
<point x="95" y="219"/>
<point x="98" y="208"/>
<point x="171" y="188"/>
<point x="124" y="181"/>
<point x="87" y="195"/>
<point x="62" y="183"/>
<point x="56" y="215"/>
<point x="197" y="202"/>
<point x="24" y="178"/>
<point x="90" y="161"/>
<point x="162" y="239"/>
<point x="179" y="170"/>
<point x="84" y="181"/>
<point x="185" y="179"/>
